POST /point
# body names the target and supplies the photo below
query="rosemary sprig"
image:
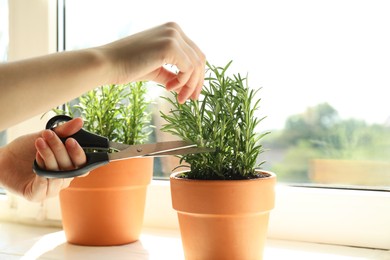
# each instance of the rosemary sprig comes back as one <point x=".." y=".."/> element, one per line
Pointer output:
<point x="224" y="118"/>
<point x="118" y="112"/>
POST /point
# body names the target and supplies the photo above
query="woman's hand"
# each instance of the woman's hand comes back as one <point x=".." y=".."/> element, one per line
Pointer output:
<point x="142" y="56"/>
<point x="17" y="159"/>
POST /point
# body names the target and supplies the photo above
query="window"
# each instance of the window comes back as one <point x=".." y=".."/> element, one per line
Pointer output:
<point x="322" y="66"/>
<point x="3" y="47"/>
<point x="3" y="30"/>
<point x="338" y="216"/>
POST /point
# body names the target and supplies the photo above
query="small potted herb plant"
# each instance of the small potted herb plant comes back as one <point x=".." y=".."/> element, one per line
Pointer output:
<point x="107" y="206"/>
<point x="223" y="199"/>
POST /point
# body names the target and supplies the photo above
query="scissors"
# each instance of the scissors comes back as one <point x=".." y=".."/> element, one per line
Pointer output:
<point x="97" y="149"/>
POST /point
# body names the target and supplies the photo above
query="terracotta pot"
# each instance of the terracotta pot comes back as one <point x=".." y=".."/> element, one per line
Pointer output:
<point x="223" y="219"/>
<point x="107" y="206"/>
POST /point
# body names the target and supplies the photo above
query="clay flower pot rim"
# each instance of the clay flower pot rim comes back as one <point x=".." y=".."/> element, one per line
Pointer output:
<point x="272" y="175"/>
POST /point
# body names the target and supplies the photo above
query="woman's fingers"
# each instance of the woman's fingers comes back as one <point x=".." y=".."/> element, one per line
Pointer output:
<point x="191" y="64"/>
<point x="55" y="155"/>
<point x="195" y="83"/>
<point x="57" y="149"/>
<point x="143" y="56"/>
<point x="46" y="155"/>
<point x="69" y="128"/>
<point x="75" y="152"/>
<point x="40" y="161"/>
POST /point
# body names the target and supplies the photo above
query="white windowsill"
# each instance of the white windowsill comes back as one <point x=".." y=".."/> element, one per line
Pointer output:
<point x="323" y="216"/>
<point x="19" y="241"/>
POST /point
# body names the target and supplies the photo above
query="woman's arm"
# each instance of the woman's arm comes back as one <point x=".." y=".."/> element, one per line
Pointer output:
<point x="33" y="86"/>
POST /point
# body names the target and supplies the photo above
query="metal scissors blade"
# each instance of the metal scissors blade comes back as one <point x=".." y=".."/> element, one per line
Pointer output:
<point x="97" y="150"/>
<point x="132" y="151"/>
<point x="190" y="150"/>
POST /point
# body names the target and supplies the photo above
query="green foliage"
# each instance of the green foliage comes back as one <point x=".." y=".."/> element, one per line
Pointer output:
<point x="345" y="140"/>
<point x="294" y="167"/>
<point x="319" y="133"/>
<point x="315" y="122"/>
<point x="223" y="119"/>
<point x="118" y="112"/>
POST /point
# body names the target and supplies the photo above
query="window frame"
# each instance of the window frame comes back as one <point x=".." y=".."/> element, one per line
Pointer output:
<point x="312" y="214"/>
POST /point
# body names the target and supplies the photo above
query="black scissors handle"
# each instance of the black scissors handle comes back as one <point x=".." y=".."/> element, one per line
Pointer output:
<point x="84" y="138"/>
<point x="94" y="160"/>
<point x="87" y="140"/>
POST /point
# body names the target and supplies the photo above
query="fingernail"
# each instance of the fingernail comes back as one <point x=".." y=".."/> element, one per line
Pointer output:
<point x="41" y="143"/>
<point x="181" y="100"/>
<point x="171" y="88"/>
<point x="47" y="134"/>
<point x="71" y="142"/>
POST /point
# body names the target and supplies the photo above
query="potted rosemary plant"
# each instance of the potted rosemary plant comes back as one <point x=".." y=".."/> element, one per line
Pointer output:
<point x="223" y="200"/>
<point x="107" y="206"/>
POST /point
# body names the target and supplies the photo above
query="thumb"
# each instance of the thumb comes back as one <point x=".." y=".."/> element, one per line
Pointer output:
<point x="164" y="76"/>
<point x="69" y="128"/>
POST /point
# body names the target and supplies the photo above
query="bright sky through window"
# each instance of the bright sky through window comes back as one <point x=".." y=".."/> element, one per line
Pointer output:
<point x="301" y="53"/>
